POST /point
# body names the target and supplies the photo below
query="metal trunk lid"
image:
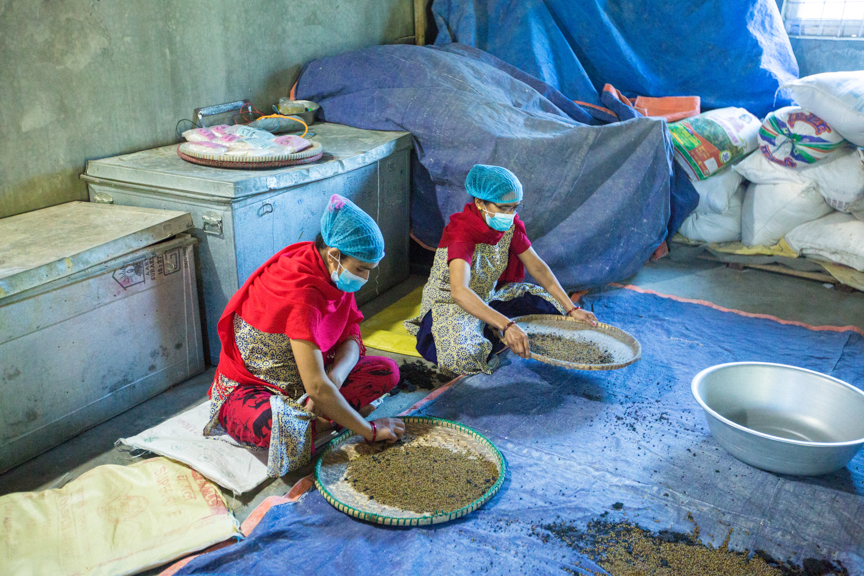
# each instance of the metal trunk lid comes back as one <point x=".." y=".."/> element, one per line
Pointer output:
<point x="44" y="245"/>
<point x="161" y="170"/>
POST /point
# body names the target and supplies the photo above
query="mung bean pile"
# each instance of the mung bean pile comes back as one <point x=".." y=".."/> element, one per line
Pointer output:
<point x="420" y="478"/>
<point x="623" y="549"/>
<point x="568" y="349"/>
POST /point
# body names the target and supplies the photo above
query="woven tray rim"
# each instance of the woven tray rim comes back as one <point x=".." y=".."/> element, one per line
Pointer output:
<point x="420" y="520"/>
<point x="303" y="154"/>
<point x="249" y="165"/>
<point x="607" y="329"/>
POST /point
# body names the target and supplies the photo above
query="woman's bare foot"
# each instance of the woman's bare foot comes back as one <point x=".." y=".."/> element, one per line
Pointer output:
<point x="366" y="410"/>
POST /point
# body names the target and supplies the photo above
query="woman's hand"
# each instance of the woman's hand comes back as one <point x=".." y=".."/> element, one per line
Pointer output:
<point x="580" y="315"/>
<point x="387" y="429"/>
<point x="517" y="340"/>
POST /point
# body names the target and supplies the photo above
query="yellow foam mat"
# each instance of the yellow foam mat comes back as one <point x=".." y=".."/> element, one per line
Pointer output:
<point x="779" y="249"/>
<point x="385" y="331"/>
<point x="113" y="520"/>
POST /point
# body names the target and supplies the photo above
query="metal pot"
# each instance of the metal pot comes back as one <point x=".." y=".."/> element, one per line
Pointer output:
<point x="782" y="418"/>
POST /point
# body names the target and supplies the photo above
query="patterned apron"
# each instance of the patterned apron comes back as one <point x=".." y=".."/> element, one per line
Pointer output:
<point x="459" y="340"/>
<point x="269" y="357"/>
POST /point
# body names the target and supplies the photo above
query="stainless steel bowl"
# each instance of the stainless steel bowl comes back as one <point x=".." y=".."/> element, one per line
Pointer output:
<point x="782" y="418"/>
<point x="311" y="112"/>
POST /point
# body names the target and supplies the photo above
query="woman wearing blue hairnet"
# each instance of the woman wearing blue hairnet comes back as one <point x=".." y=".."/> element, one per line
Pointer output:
<point x="292" y="360"/>
<point x="476" y="281"/>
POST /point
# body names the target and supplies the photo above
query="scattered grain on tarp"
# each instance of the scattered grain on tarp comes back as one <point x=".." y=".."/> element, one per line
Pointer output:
<point x="418" y="375"/>
<point x="624" y="549"/>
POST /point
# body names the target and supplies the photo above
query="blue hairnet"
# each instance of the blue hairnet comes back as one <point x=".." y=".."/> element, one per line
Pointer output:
<point x="352" y="231"/>
<point x="493" y="184"/>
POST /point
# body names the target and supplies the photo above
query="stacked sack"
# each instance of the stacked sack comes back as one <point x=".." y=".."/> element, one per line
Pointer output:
<point x="806" y="181"/>
<point x="706" y="147"/>
<point x="807" y="185"/>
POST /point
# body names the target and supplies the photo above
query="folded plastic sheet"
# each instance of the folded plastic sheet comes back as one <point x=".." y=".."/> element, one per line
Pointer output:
<point x="578" y="443"/>
<point x="597" y="198"/>
<point x="113" y="520"/>
<point x="728" y="53"/>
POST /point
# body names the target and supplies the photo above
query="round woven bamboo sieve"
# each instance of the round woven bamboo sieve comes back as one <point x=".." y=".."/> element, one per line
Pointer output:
<point x="252" y="163"/>
<point x="333" y="463"/>
<point x="625" y="355"/>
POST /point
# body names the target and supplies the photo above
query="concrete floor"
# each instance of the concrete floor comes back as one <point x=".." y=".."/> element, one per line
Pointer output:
<point x="755" y="291"/>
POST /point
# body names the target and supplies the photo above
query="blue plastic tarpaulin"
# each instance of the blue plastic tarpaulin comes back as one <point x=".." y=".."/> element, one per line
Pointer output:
<point x="597" y="197"/>
<point x="581" y="444"/>
<point x="728" y="53"/>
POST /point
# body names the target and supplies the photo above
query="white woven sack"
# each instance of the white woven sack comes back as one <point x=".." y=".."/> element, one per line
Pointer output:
<point x="836" y="237"/>
<point x="772" y="210"/>
<point x="796" y="138"/>
<point x="218" y="458"/>
<point x="716" y="192"/>
<point x="711" y="227"/>
<point x="837" y="98"/>
<point x="840" y="179"/>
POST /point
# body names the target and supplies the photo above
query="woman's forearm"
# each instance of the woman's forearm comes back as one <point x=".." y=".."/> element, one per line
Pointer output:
<point x="547" y="279"/>
<point x="544" y="276"/>
<point x="346" y="359"/>
<point x="468" y="300"/>
<point x="329" y="401"/>
<point x="324" y="394"/>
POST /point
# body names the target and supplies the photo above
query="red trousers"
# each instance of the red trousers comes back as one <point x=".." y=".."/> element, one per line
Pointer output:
<point x="246" y="414"/>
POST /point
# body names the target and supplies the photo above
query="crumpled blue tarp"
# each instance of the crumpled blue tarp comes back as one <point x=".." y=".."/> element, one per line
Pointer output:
<point x="728" y="53"/>
<point x="578" y="442"/>
<point x="597" y="198"/>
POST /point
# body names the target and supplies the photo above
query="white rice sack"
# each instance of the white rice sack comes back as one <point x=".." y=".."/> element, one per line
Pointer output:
<point x="795" y="138"/>
<point x="772" y="210"/>
<point x="292" y="144"/>
<point x="218" y="457"/>
<point x="837" y="98"/>
<point x="251" y="143"/>
<point x="836" y="237"/>
<point x="840" y="179"/>
<point x="716" y="192"/>
<point x="203" y="148"/>
<point x="706" y="143"/>
<point x="712" y="227"/>
<point x="200" y="135"/>
<point x="247" y="132"/>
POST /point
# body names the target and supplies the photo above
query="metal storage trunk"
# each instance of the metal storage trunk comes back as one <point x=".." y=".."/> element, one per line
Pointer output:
<point x="243" y="217"/>
<point x="98" y="312"/>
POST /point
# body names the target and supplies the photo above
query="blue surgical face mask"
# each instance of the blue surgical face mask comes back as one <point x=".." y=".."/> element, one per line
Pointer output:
<point x="346" y="281"/>
<point x="499" y="222"/>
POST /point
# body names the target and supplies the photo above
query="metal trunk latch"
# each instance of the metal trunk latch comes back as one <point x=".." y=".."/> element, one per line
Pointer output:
<point x="102" y="198"/>
<point x="212" y="223"/>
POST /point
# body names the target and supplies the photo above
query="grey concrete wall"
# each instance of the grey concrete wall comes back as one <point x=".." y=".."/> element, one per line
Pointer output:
<point x="86" y="79"/>
<point x="817" y="55"/>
